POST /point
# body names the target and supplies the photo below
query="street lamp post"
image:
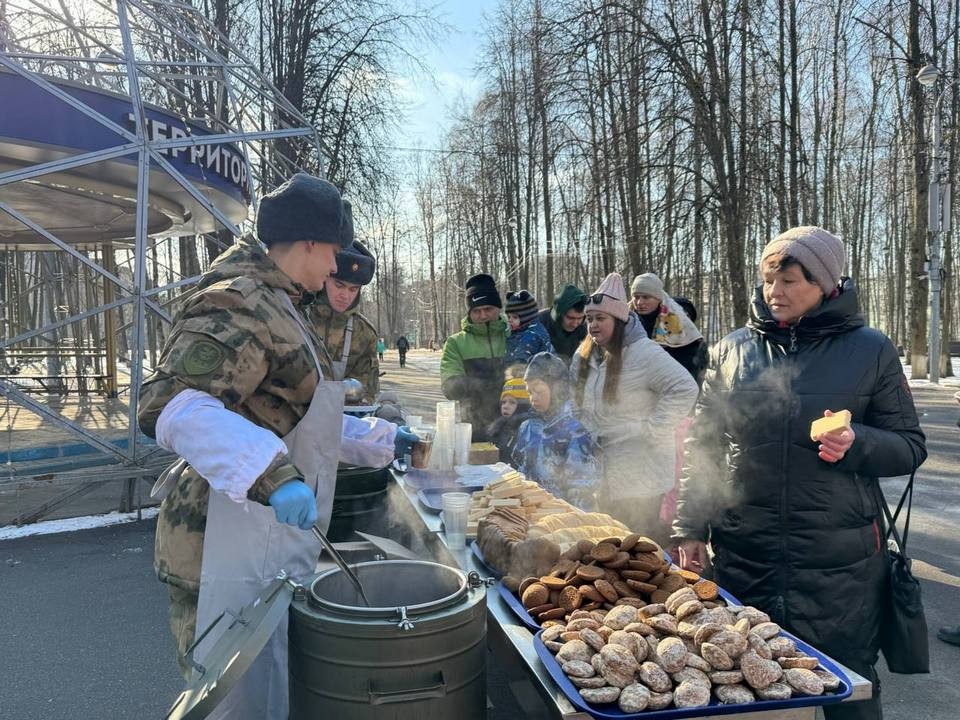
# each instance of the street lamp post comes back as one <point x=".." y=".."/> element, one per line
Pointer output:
<point x="938" y="217"/>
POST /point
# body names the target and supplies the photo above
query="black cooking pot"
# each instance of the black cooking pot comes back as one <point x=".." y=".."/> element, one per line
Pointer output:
<point x="359" y="501"/>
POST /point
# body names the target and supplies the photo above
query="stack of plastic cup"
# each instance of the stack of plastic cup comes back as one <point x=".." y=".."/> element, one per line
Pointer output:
<point x="444" y="442"/>
<point x="463" y="435"/>
<point x="456" y="508"/>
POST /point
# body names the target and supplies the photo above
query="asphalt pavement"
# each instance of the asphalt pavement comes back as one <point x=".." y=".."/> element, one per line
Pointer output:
<point x="83" y="620"/>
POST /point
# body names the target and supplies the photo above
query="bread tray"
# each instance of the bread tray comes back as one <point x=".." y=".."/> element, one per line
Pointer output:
<point x="417" y="479"/>
<point x="478" y="554"/>
<point x="610" y="711"/>
<point x="513" y="602"/>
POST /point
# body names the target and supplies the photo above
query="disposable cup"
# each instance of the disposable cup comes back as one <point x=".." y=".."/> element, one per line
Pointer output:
<point x="456" y="507"/>
<point x="422" y="448"/>
<point x="463" y="434"/>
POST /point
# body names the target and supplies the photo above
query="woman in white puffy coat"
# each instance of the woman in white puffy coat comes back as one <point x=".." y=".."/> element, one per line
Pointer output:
<point x="631" y="395"/>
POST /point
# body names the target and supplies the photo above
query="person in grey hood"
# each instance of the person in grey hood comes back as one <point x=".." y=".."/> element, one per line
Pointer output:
<point x="632" y="395"/>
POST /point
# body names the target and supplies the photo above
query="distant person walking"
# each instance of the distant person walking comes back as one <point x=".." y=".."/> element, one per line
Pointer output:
<point x="402" y="346"/>
<point x="381" y="348"/>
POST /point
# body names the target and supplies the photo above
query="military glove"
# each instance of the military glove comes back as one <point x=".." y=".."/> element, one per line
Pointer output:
<point x="294" y="504"/>
<point x="403" y="441"/>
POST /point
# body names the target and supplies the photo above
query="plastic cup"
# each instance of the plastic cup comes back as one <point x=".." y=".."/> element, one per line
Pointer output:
<point x="463" y="434"/>
<point x="442" y="456"/>
<point x="456" y="507"/>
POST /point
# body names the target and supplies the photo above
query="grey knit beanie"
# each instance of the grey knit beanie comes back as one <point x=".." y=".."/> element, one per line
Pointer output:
<point x="818" y="250"/>
<point x="647" y="284"/>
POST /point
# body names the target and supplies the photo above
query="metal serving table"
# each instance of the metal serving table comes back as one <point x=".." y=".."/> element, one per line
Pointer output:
<point x="512" y="642"/>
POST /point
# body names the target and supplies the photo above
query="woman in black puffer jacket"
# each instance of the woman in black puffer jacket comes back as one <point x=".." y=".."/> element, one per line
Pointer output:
<point x="794" y="524"/>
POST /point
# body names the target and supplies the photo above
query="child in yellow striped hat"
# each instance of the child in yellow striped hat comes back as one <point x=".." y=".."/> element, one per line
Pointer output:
<point x="514" y="409"/>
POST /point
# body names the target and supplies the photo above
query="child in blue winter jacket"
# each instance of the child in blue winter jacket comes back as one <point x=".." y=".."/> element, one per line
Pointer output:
<point x="553" y="447"/>
<point x="527" y="335"/>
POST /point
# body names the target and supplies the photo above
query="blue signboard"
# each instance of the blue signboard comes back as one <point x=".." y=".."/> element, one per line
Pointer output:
<point x="37" y="126"/>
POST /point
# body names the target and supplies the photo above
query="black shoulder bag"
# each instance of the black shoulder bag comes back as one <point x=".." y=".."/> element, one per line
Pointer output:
<point x="903" y="635"/>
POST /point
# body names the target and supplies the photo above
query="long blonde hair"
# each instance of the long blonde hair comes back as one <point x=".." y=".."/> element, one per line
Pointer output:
<point x="612" y="356"/>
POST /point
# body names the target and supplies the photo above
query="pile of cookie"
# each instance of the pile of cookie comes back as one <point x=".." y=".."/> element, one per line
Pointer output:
<point x="651" y="649"/>
<point x="632" y="570"/>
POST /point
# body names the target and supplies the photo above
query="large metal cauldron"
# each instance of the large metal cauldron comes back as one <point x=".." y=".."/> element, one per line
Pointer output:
<point x="418" y="652"/>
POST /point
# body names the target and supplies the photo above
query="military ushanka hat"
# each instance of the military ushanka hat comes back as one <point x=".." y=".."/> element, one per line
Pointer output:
<point x="355" y="265"/>
<point x="305" y="208"/>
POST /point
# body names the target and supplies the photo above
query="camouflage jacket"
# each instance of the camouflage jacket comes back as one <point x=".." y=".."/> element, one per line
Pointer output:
<point x="331" y="326"/>
<point x="234" y="339"/>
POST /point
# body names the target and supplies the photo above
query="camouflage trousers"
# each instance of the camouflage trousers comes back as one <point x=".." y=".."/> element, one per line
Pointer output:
<point x="183" y="624"/>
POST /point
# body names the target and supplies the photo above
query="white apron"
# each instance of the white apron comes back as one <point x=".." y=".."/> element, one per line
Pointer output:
<point x="340" y="366"/>
<point x="245" y="547"/>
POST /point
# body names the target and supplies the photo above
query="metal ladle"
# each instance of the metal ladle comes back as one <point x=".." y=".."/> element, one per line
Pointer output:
<point x="341" y="563"/>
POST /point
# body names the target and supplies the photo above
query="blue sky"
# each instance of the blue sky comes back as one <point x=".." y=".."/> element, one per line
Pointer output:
<point x="453" y="62"/>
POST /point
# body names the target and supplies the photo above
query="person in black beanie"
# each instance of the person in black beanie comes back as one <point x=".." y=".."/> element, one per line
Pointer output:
<point x="527" y="336"/>
<point x="471" y="367"/>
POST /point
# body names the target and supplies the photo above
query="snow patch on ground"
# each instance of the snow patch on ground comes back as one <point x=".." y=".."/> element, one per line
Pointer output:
<point x="50" y="527"/>
<point x="949" y="382"/>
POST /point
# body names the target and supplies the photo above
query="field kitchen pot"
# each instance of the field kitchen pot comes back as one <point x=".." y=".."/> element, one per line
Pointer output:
<point x="359" y="500"/>
<point x="418" y="653"/>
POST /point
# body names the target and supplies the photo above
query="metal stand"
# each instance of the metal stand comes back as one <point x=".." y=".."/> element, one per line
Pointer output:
<point x="158" y="54"/>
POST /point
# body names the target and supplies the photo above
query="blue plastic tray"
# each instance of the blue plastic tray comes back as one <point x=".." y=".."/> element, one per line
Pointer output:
<point x="478" y="554"/>
<point x="428" y="479"/>
<point x="432" y="498"/>
<point x="513" y="602"/>
<point x="610" y="711"/>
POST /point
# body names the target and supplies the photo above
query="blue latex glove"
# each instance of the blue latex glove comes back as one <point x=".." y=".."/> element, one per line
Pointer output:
<point x="404" y="440"/>
<point x="294" y="504"/>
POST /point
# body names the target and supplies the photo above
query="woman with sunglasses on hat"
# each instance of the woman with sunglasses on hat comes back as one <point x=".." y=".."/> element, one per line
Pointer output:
<point x="632" y="395"/>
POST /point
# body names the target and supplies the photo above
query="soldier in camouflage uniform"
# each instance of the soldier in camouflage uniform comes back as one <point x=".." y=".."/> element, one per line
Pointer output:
<point x="237" y="353"/>
<point x="337" y="320"/>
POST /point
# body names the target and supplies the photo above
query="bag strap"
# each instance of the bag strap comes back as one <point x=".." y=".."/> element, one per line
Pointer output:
<point x="892" y="518"/>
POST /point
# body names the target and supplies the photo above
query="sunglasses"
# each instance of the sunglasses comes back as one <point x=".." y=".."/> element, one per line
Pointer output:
<point x="596" y="299"/>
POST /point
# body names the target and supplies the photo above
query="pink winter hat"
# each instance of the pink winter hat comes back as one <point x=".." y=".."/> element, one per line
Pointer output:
<point x="610" y="298"/>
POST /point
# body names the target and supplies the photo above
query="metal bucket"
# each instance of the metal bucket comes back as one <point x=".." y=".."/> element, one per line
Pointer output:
<point x="419" y="652"/>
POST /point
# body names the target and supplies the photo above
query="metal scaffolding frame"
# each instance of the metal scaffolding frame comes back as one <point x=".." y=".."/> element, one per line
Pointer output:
<point x="156" y="53"/>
